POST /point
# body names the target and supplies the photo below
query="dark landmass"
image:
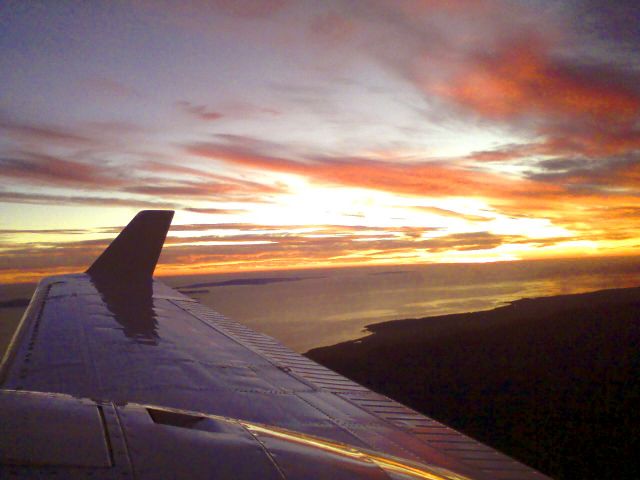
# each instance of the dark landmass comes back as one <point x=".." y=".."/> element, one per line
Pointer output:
<point x="15" y="302"/>
<point x="553" y="382"/>
<point x="192" y="292"/>
<point x="245" y="281"/>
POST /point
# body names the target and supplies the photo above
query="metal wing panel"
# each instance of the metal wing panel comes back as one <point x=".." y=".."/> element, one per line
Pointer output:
<point x="368" y="415"/>
<point x="147" y="343"/>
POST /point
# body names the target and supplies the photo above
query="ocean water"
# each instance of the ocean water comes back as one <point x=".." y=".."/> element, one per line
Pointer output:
<point x="311" y="308"/>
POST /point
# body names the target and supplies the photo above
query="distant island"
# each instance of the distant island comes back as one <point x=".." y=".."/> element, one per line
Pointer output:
<point x="243" y="281"/>
<point x="553" y="382"/>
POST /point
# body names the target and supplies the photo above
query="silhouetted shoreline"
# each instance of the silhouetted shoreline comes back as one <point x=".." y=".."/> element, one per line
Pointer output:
<point x="551" y="381"/>
<point x="15" y="303"/>
<point x="244" y="281"/>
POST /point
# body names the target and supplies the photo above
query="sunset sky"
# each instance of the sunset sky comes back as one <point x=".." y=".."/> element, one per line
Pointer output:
<point x="312" y="133"/>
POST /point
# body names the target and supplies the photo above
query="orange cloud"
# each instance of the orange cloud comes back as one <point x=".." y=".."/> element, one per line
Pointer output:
<point x="430" y="179"/>
<point x="569" y="193"/>
<point x="258" y="247"/>
<point x="593" y="141"/>
<point x="523" y="79"/>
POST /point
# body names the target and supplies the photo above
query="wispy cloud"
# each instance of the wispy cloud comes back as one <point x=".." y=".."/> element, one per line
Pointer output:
<point x="43" y="133"/>
<point x="249" y="8"/>
<point x="109" y="86"/>
<point x="449" y="213"/>
<point x="57" y="231"/>
<point x="215" y="211"/>
<point x="89" y="200"/>
<point x="37" y="168"/>
<point x="199" y="111"/>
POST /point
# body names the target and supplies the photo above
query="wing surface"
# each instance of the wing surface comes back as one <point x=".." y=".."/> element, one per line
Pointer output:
<point x="123" y="338"/>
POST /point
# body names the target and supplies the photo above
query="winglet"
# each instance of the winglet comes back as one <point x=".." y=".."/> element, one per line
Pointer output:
<point x="134" y="252"/>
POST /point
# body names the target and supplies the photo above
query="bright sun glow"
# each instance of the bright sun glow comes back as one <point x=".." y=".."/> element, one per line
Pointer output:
<point x="304" y="136"/>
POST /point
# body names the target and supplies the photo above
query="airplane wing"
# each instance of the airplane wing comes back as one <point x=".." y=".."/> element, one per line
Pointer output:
<point x="112" y="374"/>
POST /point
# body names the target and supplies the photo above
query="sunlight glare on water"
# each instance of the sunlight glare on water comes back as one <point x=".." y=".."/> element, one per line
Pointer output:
<point x="310" y="308"/>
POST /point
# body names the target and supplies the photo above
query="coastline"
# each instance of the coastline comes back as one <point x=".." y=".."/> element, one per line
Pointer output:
<point x="551" y="381"/>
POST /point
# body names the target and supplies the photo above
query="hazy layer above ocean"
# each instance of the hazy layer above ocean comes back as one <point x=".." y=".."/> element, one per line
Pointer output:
<point x="311" y="308"/>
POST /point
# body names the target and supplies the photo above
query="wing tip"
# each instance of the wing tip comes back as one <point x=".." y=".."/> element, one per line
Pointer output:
<point x="134" y="253"/>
